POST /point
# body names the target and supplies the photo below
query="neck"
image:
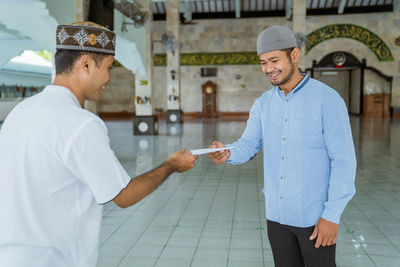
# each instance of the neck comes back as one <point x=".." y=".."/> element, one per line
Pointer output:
<point x="72" y="84"/>
<point x="292" y="83"/>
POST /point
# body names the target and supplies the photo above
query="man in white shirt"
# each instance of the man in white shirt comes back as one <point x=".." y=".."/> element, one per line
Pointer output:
<point x="56" y="164"/>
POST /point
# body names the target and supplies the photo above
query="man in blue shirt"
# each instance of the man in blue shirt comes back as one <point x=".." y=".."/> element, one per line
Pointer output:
<point x="303" y="127"/>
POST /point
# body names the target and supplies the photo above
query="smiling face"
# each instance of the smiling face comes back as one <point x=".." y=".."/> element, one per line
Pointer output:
<point x="279" y="66"/>
<point x="98" y="77"/>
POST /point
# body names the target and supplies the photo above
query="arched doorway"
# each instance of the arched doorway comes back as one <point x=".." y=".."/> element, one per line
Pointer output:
<point x="364" y="89"/>
<point x="341" y="71"/>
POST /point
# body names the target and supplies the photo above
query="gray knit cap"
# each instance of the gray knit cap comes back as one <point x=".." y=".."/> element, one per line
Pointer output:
<point x="275" y="38"/>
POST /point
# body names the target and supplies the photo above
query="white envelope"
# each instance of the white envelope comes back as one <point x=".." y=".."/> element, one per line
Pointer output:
<point x="208" y="150"/>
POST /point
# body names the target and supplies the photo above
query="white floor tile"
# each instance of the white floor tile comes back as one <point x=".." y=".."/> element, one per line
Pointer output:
<point x="202" y="217"/>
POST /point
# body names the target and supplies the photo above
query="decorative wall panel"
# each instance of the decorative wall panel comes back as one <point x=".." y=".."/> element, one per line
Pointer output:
<point x="200" y="59"/>
<point x="355" y="32"/>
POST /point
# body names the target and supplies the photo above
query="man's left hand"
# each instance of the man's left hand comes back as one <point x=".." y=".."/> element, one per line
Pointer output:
<point x="326" y="232"/>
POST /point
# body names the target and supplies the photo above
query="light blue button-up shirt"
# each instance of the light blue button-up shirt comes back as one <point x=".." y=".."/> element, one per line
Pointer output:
<point x="309" y="158"/>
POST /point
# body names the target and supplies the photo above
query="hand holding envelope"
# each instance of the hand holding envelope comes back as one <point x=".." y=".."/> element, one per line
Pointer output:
<point x="222" y="154"/>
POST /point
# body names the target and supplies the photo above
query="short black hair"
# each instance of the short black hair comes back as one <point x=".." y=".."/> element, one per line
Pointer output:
<point x="288" y="52"/>
<point x="65" y="59"/>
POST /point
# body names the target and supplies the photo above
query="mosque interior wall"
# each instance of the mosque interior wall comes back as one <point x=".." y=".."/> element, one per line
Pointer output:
<point x="339" y="80"/>
<point x="119" y="94"/>
<point x="239" y="85"/>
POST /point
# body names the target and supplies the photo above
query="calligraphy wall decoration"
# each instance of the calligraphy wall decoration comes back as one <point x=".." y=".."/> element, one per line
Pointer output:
<point x="201" y="59"/>
<point x="355" y="32"/>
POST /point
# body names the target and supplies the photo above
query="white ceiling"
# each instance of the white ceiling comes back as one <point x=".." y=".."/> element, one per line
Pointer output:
<point x="221" y="6"/>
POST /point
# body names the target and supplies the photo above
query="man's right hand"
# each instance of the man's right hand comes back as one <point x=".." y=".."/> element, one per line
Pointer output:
<point x="144" y="184"/>
<point x="219" y="157"/>
<point x="182" y="160"/>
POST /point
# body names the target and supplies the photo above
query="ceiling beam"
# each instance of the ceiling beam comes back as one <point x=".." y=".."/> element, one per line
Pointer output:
<point x="163" y="1"/>
<point x="187" y="11"/>
<point x="158" y="9"/>
<point x="237" y="8"/>
<point x="396" y="6"/>
<point x="288" y="8"/>
<point x="341" y="6"/>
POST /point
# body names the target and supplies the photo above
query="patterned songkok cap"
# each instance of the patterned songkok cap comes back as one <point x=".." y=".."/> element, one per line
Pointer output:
<point x="86" y="37"/>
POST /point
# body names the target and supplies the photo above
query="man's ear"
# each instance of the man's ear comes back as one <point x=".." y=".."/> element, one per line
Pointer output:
<point x="295" y="55"/>
<point x="84" y="64"/>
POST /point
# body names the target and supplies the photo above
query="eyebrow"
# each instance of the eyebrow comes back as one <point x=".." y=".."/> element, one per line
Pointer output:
<point x="271" y="58"/>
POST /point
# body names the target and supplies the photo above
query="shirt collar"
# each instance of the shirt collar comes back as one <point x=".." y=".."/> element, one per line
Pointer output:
<point x="300" y="85"/>
<point x="62" y="90"/>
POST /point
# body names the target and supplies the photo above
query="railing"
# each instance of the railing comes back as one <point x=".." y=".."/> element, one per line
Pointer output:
<point x="17" y="92"/>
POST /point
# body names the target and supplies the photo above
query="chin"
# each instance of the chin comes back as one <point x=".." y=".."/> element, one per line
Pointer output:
<point x="275" y="82"/>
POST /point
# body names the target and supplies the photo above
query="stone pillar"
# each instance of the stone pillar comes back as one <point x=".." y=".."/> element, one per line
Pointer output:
<point x="299" y="26"/>
<point x="174" y="112"/>
<point x="81" y="11"/>
<point x="145" y="123"/>
<point x="395" y="97"/>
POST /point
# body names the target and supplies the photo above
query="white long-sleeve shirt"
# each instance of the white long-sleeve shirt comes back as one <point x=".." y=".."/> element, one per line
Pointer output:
<point x="56" y="168"/>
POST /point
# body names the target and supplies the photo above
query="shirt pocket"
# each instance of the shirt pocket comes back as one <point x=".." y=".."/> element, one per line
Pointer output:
<point x="308" y="130"/>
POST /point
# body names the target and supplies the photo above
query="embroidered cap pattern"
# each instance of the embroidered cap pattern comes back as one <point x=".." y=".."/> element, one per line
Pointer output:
<point x="81" y="37"/>
<point x="62" y="36"/>
<point x="103" y="39"/>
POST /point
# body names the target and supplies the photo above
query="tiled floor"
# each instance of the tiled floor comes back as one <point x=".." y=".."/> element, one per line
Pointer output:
<point x="214" y="215"/>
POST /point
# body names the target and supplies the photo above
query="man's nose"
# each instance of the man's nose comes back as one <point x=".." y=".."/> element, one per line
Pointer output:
<point x="270" y="68"/>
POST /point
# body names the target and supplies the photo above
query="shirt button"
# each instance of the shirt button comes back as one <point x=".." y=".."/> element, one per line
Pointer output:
<point x="287" y="100"/>
<point x="283" y="158"/>
<point x="285" y="120"/>
<point x="281" y="197"/>
<point x="284" y="139"/>
<point x="281" y="177"/>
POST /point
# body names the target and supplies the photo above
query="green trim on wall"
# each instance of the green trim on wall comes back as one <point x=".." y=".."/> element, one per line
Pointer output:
<point x="201" y="59"/>
<point x="355" y="32"/>
<point x="160" y="60"/>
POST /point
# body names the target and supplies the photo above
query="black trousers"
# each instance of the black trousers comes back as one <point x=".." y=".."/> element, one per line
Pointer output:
<point x="291" y="247"/>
